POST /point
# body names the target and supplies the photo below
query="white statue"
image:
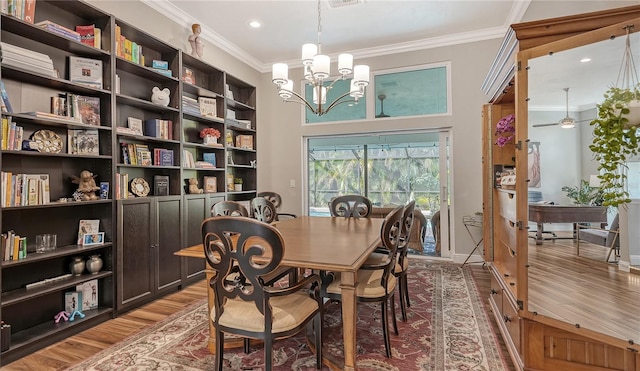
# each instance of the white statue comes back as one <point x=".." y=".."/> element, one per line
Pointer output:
<point x="195" y="40"/>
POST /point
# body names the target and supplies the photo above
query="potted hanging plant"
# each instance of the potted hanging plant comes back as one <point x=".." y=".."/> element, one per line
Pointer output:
<point x="615" y="139"/>
<point x="505" y="130"/>
<point x="209" y="136"/>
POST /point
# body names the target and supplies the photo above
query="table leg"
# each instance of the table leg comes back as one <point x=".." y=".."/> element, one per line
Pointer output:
<point x="349" y="315"/>
<point x="539" y="234"/>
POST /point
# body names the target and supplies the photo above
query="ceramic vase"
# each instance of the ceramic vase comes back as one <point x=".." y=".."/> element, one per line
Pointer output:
<point x="77" y="266"/>
<point x="94" y="264"/>
<point x="210" y="139"/>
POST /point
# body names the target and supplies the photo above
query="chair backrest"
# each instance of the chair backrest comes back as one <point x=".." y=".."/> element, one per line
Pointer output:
<point x="228" y="208"/>
<point x="407" y="223"/>
<point x="390" y="234"/>
<point x="263" y="210"/>
<point x="232" y="247"/>
<point x="355" y="206"/>
<point x="615" y="226"/>
<point x="275" y="198"/>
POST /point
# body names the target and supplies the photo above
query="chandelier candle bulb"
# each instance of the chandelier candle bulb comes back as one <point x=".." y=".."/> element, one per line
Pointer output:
<point x="323" y="94"/>
<point x="345" y="63"/>
<point x="356" y="91"/>
<point x="308" y="52"/>
<point x="321" y="66"/>
<point x="361" y="75"/>
<point x="280" y="73"/>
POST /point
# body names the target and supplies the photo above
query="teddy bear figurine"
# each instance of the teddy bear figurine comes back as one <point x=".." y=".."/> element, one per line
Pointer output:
<point x="161" y="97"/>
<point x="86" y="185"/>
<point x="193" y="186"/>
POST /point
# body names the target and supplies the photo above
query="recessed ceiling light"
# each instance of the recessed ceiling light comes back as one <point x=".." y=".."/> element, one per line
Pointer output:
<point x="585" y="60"/>
<point x="255" y="24"/>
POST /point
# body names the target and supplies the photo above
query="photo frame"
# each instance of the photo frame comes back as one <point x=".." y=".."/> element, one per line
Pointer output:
<point x="210" y="184"/>
<point x="89" y="239"/>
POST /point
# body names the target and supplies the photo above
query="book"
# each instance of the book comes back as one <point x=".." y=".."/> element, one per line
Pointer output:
<point x="209" y="157"/>
<point x="89" y="290"/>
<point x="85" y="71"/>
<point x="135" y="124"/>
<point x="83" y="142"/>
<point x="29" y="11"/>
<point x="161" y="185"/>
<point x="244" y="141"/>
<point x="208" y="106"/>
<point x="72" y="301"/>
<point x="210" y="184"/>
<point x="160" y="64"/>
<point x="87" y="34"/>
<point x="88" y="109"/>
<point x="187" y="75"/>
<point x="6" y="104"/>
<point x="87" y="226"/>
<point x="166" y="157"/>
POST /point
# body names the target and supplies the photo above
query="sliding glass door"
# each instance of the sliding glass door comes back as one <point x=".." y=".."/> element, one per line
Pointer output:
<point x="390" y="169"/>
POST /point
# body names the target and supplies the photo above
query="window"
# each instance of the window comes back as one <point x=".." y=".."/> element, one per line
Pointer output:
<point x="342" y="112"/>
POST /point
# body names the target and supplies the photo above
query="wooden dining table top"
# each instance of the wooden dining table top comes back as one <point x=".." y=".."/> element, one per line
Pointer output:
<point x="326" y="243"/>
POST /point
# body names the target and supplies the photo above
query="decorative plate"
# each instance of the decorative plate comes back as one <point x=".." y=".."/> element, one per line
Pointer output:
<point x="48" y="141"/>
<point x="139" y="187"/>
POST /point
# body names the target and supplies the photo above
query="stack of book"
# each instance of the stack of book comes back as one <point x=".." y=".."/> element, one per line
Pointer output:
<point x="60" y="30"/>
<point x="14" y="246"/>
<point x="26" y="59"/>
<point x="23" y="9"/>
<point x="25" y="189"/>
<point x="12" y="135"/>
<point x="190" y="106"/>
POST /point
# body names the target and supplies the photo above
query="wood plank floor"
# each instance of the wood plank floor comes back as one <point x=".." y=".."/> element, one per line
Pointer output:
<point x="584" y="289"/>
<point x="61" y="355"/>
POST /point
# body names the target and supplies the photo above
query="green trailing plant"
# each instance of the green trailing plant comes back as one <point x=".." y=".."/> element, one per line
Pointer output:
<point x="615" y="139"/>
<point x="584" y="194"/>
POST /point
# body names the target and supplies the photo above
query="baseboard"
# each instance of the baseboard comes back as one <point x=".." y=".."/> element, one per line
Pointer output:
<point x="634" y="259"/>
<point x="624" y="266"/>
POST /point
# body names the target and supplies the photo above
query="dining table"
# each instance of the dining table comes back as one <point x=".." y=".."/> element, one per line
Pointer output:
<point x="319" y="243"/>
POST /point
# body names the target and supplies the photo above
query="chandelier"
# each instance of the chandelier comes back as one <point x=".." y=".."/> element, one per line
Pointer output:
<point x="317" y="70"/>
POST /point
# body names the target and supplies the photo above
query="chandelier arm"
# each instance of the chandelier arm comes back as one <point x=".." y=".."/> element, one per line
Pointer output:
<point x="337" y="101"/>
<point x="333" y="82"/>
<point x="301" y="100"/>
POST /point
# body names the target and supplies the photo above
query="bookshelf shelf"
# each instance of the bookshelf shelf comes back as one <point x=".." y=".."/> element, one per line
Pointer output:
<point x="58" y="252"/>
<point x="9" y="72"/>
<point x="144" y="104"/>
<point x="142" y="71"/>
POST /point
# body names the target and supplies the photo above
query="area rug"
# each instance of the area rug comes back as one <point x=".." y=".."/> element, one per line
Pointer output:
<point x="447" y="329"/>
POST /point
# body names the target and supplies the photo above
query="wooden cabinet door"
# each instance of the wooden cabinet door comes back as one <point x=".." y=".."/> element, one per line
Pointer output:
<point x="197" y="208"/>
<point x="168" y="220"/>
<point x="135" y="252"/>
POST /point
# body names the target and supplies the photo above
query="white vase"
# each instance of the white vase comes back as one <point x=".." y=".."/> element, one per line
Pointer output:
<point x="634" y="113"/>
<point x="210" y="139"/>
<point x="238" y="187"/>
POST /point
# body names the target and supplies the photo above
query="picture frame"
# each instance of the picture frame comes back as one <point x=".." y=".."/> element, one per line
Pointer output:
<point x="89" y="239"/>
<point x="210" y="184"/>
<point x="135" y="124"/>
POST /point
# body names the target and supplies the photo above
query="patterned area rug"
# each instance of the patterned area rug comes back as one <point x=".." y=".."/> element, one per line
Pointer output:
<point x="447" y="329"/>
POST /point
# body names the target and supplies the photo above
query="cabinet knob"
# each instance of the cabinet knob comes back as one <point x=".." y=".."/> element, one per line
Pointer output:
<point x="493" y="292"/>
<point x="507" y="318"/>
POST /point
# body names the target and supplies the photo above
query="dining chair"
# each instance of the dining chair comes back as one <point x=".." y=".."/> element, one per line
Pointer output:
<point x="253" y="309"/>
<point x="376" y="282"/>
<point x="276" y="199"/>
<point x="228" y="208"/>
<point x="263" y="210"/>
<point x="356" y="206"/>
<point x="402" y="262"/>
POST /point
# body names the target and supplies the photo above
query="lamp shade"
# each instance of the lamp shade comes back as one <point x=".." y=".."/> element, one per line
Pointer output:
<point x="356" y="91"/>
<point x="280" y="73"/>
<point x="321" y="66"/>
<point x="345" y="63"/>
<point x="361" y="75"/>
<point x="308" y="52"/>
<point x="323" y="94"/>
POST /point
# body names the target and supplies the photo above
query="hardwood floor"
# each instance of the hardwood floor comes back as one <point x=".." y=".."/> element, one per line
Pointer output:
<point x="584" y="290"/>
<point x="61" y="355"/>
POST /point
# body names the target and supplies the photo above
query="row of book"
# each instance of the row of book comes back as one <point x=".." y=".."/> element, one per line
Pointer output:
<point x="139" y="154"/>
<point x="23" y="9"/>
<point x="25" y="189"/>
<point x="122" y="186"/>
<point x="159" y="128"/>
<point x="59" y="30"/>
<point x="11" y="135"/>
<point x="14" y="247"/>
<point x="203" y="106"/>
<point x="26" y="59"/>
<point x="127" y="49"/>
<point x="77" y="107"/>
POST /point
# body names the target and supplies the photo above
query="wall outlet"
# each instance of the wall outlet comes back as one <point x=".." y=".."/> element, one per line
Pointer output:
<point x="292" y="183"/>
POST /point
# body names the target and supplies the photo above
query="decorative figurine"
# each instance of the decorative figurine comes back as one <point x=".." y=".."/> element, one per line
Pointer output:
<point x="161" y="97"/>
<point x="62" y="316"/>
<point x="74" y="314"/>
<point x="193" y="186"/>
<point x="86" y="186"/>
<point x="195" y="41"/>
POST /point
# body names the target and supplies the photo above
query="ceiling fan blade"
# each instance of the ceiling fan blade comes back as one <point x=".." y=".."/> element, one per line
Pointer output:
<point x="542" y="125"/>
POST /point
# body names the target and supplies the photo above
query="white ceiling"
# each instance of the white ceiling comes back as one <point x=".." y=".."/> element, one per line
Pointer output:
<point x="380" y="27"/>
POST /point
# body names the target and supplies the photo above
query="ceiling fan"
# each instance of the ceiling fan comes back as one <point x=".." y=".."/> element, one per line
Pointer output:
<point x="567" y="122"/>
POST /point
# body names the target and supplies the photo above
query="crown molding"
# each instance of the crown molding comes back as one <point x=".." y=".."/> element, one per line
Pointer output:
<point x="172" y="12"/>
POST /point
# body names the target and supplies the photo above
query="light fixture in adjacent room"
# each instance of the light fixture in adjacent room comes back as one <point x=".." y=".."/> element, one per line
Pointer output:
<point x="317" y="71"/>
